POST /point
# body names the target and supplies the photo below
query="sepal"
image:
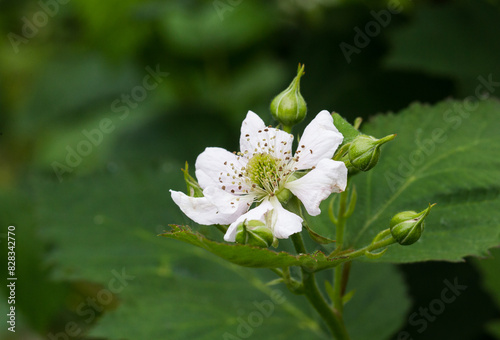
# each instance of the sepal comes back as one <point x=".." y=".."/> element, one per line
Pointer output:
<point x="193" y="188"/>
<point x="255" y="233"/>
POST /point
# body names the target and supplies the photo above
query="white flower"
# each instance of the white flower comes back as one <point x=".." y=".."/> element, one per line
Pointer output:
<point x="265" y="172"/>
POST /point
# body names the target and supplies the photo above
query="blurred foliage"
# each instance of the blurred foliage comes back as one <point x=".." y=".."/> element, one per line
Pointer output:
<point x="82" y="138"/>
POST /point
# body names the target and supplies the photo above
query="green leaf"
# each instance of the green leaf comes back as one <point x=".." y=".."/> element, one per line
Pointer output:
<point x="249" y="256"/>
<point x="445" y="154"/>
<point x="329" y="290"/>
<point x="317" y="237"/>
<point x="373" y="288"/>
<point x="347" y="130"/>
<point x="348" y="296"/>
<point x="379" y="287"/>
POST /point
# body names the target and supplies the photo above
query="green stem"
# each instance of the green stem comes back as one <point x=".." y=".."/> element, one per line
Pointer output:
<point x="377" y="245"/>
<point x="345" y="277"/>
<point x="278" y="272"/>
<point x="293" y="285"/>
<point x="287" y="128"/>
<point x="337" y="287"/>
<point x="222" y="228"/>
<point x="341" y="221"/>
<point x="333" y="321"/>
<point x="349" y="255"/>
<point x="337" y="279"/>
<point x="298" y="243"/>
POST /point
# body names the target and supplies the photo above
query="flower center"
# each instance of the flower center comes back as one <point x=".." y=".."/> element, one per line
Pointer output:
<point x="266" y="173"/>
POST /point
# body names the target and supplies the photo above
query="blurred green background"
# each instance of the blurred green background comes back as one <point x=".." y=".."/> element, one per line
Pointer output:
<point x="91" y="89"/>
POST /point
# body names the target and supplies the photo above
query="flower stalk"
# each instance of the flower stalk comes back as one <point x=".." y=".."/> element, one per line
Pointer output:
<point x="315" y="297"/>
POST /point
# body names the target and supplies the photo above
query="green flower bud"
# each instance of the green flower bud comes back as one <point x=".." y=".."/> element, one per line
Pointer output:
<point x="364" y="151"/>
<point x="342" y="155"/>
<point x="407" y="226"/>
<point x="255" y="233"/>
<point x="289" y="107"/>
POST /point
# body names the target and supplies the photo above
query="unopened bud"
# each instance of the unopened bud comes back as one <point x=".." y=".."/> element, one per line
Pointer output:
<point x="289" y="107"/>
<point x="407" y="226"/>
<point x="364" y="151"/>
<point x="255" y="233"/>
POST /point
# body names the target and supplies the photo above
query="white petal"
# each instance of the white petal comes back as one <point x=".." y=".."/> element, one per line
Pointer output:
<point x="258" y="138"/>
<point x="284" y="223"/>
<point x="201" y="210"/>
<point x="320" y="140"/>
<point x="251" y="124"/>
<point x="257" y="213"/>
<point x="221" y="168"/>
<point x="228" y="203"/>
<point x="328" y="176"/>
<point x="279" y="143"/>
